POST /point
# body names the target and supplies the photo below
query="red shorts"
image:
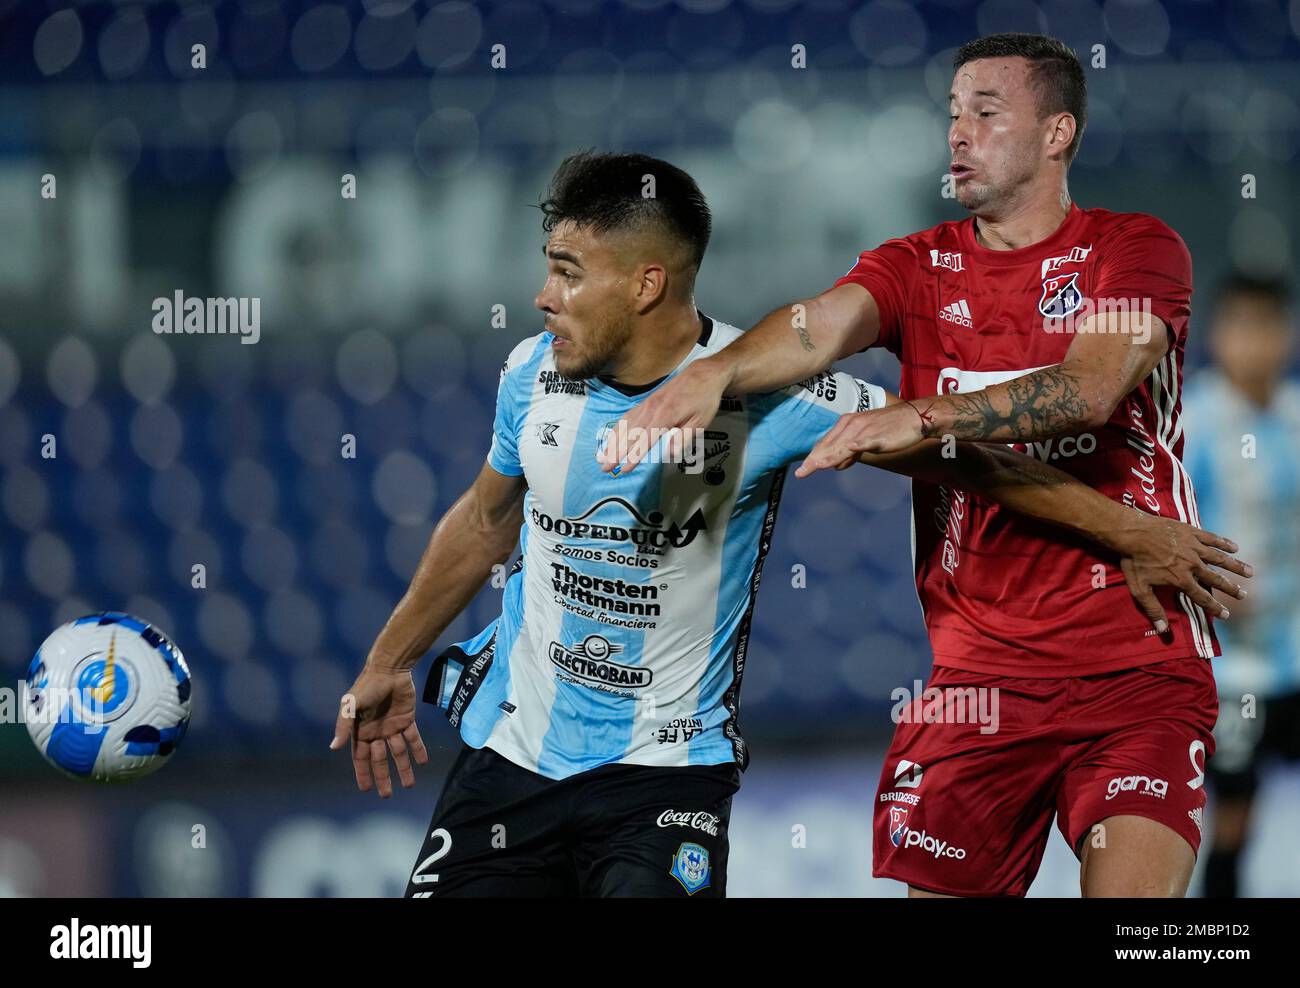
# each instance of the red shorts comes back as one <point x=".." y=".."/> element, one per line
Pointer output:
<point x="979" y="764"/>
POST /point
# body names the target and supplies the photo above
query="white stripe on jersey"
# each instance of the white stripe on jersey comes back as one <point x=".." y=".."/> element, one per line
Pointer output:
<point x="1164" y="398"/>
<point x="1193" y="510"/>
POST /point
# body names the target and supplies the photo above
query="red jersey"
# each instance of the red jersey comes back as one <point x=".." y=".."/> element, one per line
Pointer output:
<point x="1004" y="594"/>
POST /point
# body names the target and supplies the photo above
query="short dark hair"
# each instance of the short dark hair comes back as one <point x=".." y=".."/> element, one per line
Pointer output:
<point x="1240" y="284"/>
<point x="1054" y="70"/>
<point x="603" y="192"/>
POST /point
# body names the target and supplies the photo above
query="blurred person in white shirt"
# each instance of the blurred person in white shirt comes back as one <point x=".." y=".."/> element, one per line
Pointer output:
<point x="1243" y="453"/>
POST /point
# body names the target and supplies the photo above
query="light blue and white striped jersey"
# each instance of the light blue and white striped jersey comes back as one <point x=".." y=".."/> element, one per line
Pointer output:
<point x="624" y="625"/>
<point x="1245" y="463"/>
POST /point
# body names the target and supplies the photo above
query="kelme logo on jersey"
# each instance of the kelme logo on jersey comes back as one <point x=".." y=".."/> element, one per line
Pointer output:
<point x="691" y="867"/>
<point x="649" y="533"/>
<point x="1061" y="296"/>
<point x="589" y="661"/>
<point x="546" y="433"/>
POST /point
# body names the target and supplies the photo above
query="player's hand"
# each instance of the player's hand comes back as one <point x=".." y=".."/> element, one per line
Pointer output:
<point x="881" y="430"/>
<point x="378" y="713"/>
<point x="1163" y="552"/>
<point x="689" y="401"/>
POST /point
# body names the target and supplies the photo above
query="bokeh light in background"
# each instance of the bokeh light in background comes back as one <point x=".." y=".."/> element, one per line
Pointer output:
<point x="377" y="311"/>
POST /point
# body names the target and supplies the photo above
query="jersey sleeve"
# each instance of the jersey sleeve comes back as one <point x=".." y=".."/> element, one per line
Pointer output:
<point x="788" y="423"/>
<point x="1144" y="259"/>
<point x="512" y="406"/>
<point x="887" y="273"/>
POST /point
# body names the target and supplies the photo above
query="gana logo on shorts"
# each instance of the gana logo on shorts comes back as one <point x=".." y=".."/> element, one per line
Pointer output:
<point x="1136" y="783"/>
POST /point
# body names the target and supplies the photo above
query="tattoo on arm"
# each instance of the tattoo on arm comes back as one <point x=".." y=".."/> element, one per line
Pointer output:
<point x="804" y="337"/>
<point x="1045" y="403"/>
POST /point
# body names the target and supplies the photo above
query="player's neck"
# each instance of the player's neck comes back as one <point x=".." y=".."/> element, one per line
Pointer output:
<point x="1258" y="391"/>
<point x="1022" y="224"/>
<point x="658" y="346"/>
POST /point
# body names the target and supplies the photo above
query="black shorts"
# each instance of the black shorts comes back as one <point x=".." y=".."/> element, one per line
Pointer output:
<point x="1243" y="743"/>
<point x="618" y="830"/>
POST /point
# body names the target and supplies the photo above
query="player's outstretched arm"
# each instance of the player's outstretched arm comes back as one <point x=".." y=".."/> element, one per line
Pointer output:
<point x="1111" y="354"/>
<point x="378" y="712"/>
<point x="1153" y="551"/>
<point x="789" y="345"/>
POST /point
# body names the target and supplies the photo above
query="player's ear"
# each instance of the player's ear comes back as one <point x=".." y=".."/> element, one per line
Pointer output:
<point x="1061" y="134"/>
<point x="651" y="285"/>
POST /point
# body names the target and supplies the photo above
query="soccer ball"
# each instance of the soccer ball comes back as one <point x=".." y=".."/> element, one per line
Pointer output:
<point x="107" y="698"/>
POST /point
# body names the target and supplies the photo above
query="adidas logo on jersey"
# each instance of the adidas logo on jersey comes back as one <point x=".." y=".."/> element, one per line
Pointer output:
<point x="958" y="312"/>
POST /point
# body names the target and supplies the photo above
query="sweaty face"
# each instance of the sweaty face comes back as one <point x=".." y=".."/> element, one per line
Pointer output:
<point x="995" y="137"/>
<point x="585" y="302"/>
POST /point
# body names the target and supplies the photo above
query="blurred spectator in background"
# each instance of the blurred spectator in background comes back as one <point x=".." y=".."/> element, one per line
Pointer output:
<point x="1243" y="424"/>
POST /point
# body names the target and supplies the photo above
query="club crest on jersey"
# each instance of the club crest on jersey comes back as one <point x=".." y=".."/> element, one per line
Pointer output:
<point x="691" y="867"/>
<point x="897" y="824"/>
<point x="1061" y="296"/>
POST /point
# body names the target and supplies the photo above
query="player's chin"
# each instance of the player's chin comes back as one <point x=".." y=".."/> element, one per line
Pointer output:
<point x="972" y="196"/>
<point x="571" y="366"/>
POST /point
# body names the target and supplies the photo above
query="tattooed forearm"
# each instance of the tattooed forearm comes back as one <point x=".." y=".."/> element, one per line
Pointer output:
<point x="1045" y="403"/>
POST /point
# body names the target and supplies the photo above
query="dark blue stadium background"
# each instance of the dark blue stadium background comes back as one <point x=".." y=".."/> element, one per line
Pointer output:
<point x="182" y="450"/>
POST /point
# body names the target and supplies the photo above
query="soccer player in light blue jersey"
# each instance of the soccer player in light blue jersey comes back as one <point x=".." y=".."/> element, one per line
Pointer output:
<point x="1243" y="420"/>
<point x="600" y="712"/>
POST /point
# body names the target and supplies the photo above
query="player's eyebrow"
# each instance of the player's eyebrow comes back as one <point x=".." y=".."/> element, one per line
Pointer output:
<point x="994" y="93"/>
<point x="560" y="254"/>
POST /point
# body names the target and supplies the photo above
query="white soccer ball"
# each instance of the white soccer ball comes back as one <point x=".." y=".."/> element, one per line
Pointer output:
<point x="107" y="698"/>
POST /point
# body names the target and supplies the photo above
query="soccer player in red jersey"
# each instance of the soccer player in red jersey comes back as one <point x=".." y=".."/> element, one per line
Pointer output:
<point x="1060" y="330"/>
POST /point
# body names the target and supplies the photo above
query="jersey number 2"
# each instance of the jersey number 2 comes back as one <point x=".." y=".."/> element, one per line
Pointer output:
<point x="421" y="877"/>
